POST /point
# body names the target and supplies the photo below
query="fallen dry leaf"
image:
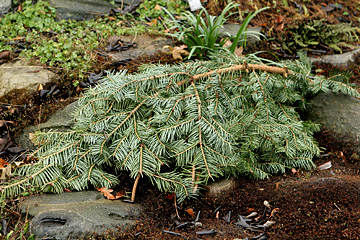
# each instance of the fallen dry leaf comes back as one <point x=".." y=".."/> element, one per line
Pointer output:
<point x="170" y="196"/>
<point x="66" y="190"/>
<point x="178" y="53"/>
<point x="342" y="156"/>
<point x="41" y="87"/>
<point x="275" y="210"/>
<point x="5" y="172"/>
<point x="250" y="209"/>
<point x="120" y="194"/>
<point x="279" y="19"/>
<point x="106" y="193"/>
<point x="3" y="163"/>
<point x="152" y="23"/>
<point x="2" y="122"/>
<point x="227" y="43"/>
<point x="293" y="170"/>
<point x="157" y="7"/>
<point x="239" y="51"/>
<point x="190" y="211"/>
<point x="4" y="54"/>
<point x="18" y="38"/>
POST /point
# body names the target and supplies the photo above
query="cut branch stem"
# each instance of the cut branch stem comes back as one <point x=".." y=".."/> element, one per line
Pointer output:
<point x="133" y="192"/>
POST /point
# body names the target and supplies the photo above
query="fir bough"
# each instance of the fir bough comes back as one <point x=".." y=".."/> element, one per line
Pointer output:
<point x="182" y="125"/>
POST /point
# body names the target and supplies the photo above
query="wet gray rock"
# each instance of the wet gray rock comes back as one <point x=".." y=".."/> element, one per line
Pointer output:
<point x="233" y="29"/>
<point x="61" y="121"/>
<point x="77" y="214"/>
<point x="145" y="44"/>
<point x="338" y="60"/>
<point x="338" y="114"/>
<point x="19" y="79"/>
<point x="5" y="6"/>
<point x="88" y="9"/>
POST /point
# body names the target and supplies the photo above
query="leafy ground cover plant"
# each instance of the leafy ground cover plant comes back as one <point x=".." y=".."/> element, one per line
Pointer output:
<point x="182" y="126"/>
<point x="65" y="44"/>
<point x="152" y="9"/>
<point x="313" y="33"/>
<point x="203" y="36"/>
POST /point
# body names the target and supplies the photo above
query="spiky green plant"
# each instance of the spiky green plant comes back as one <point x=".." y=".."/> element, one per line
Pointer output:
<point x="202" y="35"/>
<point x="182" y="126"/>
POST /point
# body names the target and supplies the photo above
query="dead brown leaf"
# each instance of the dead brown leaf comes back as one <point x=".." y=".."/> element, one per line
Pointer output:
<point x="239" y="51"/>
<point x="178" y="53"/>
<point x="4" y="54"/>
<point x="227" y="43"/>
<point x="5" y="172"/>
<point x="153" y="22"/>
<point x="120" y="194"/>
<point x="106" y="193"/>
<point x="275" y="210"/>
<point x="170" y="196"/>
<point x="279" y="19"/>
<point x="3" y="163"/>
<point x="18" y="38"/>
<point x="41" y="87"/>
<point x="190" y="211"/>
<point x="157" y="7"/>
<point x="342" y="156"/>
<point x="277" y="186"/>
<point x="2" y="122"/>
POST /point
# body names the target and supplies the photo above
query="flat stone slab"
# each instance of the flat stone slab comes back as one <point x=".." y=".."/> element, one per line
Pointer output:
<point x="77" y="214"/>
<point x="19" y="79"/>
<point x="88" y="9"/>
<point x="60" y="121"/>
<point x="339" y="60"/>
<point x="145" y="45"/>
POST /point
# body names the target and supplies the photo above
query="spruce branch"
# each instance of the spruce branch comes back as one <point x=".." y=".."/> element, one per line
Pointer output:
<point x="181" y="125"/>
